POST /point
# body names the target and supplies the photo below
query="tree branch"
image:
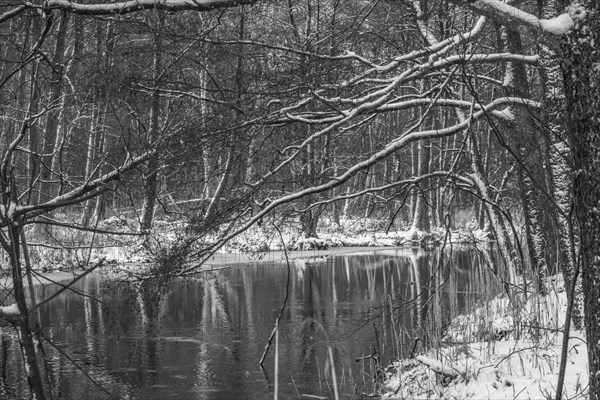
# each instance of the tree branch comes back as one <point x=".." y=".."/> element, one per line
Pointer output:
<point x="515" y="17"/>
<point x="126" y="7"/>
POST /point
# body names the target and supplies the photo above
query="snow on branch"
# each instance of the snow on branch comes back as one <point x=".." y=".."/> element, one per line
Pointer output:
<point x="449" y="176"/>
<point x="390" y="148"/>
<point x="125" y="7"/>
<point x="438" y="48"/>
<point x="380" y="96"/>
<point x="505" y="13"/>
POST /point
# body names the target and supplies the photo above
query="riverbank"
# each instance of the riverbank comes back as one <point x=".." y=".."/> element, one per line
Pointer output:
<point x="498" y="352"/>
<point x="218" y="260"/>
<point x="258" y="244"/>
<point x="222" y="258"/>
<point x="45" y="278"/>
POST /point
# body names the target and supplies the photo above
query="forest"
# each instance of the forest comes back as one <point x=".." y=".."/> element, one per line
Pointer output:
<point x="182" y="124"/>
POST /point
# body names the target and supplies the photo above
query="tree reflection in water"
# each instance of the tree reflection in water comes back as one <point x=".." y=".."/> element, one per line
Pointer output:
<point x="202" y="337"/>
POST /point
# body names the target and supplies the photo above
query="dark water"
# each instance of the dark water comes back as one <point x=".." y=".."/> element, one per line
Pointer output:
<point x="202" y="337"/>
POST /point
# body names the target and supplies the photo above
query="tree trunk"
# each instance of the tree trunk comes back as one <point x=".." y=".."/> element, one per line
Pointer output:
<point x="524" y="134"/>
<point x="309" y="218"/>
<point x="560" y="172"/>
<point x="581" y="69"/>
<point x="152" y="167"/>
<point x="96" y="144"/>
<point x="421" y="218"/>
<point x="49" y="151"/>
<point x="12" y="246"/>
<point x="227" y="169"/>
<point x="26" y="340"/>
<point x="505" y="245"/>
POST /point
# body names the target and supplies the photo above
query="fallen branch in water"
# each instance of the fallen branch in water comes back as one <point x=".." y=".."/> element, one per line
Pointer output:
<point x="287" y="294"/>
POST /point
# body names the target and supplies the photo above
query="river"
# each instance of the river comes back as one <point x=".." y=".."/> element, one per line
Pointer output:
<point x="202" y="337"/>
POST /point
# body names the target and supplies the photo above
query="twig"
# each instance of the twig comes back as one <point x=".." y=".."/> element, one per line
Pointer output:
<point x="276" y="386"/>
<point x="287" y="294"/>
<point x="67" y="287"/>
<point x="77" y="366"/>
<point x="333" y="375"/>
<point x="565" y="341"/>
<point x="294" y="383"/>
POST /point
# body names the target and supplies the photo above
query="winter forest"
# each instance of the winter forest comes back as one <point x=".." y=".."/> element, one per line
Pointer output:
<point x="179" y="130"/>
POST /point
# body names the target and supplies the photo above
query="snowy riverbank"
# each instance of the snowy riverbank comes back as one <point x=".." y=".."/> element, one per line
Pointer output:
<point x="498" y="352"/>
<point x="258" y="242"/>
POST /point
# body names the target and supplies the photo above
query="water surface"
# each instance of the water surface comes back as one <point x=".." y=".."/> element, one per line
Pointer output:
<point x="202" y="337"/>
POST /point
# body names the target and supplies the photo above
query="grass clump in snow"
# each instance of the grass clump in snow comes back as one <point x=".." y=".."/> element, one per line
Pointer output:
<point x="493" y="353"/>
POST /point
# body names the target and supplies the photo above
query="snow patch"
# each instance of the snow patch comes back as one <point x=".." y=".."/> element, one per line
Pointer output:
<point x="11" y="309"/>
<point x="559" y="26"/>
<point x="479" y="364"/>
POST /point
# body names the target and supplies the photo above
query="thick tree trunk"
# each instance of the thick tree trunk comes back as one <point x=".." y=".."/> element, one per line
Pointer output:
<point x="21" y="322"/>
<point x="522" y="130"/>
<point x="559" y="155"/>
<point x="581" y="69"/>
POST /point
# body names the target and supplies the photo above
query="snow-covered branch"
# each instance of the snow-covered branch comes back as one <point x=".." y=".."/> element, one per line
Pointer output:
<point x="510" y="15"/>
<point x="389" y="149"/>
<point x="80" y="192"/>
<point x="460" y="38"/>
<point x="446" y="175"/>
<point x="330" y="117"/>
<point x="380" y="95"/>
<point x="346" y="55"/>
<point x="126" y="7"/>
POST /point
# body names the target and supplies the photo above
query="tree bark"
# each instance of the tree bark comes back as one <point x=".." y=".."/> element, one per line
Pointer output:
<point x="581" y="69"/>
<point x="12" y="246"/>
<point x="151" y="174"/>
<point x="559" y="155"/>
<point x="50" y="152"/>
<point x="421" y="216"/>
<point x="524" y="135"/>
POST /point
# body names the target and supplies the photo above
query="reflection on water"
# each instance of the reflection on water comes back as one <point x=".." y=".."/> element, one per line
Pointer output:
<point x="202" y="337"/>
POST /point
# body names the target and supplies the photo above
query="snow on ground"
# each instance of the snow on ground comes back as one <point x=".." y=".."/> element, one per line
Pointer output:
<point x="349" y="233"/>
<point x="511" y="369"/>
<point x="489" y="356"/>
<point x="253" y="244"/>
<point x="11" y="309"/>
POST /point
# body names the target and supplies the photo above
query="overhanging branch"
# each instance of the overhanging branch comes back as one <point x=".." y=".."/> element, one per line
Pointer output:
<point x="126" y="7"/>
<point x="517" y="18"/>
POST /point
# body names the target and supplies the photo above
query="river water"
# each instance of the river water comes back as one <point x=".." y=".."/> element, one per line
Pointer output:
<point x="202" y="338"/>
